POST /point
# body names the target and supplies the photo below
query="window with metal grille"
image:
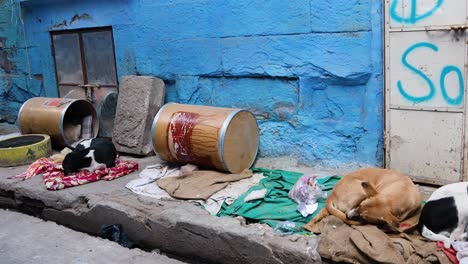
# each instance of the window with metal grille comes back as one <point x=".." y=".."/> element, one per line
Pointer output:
<point x="85" y="68"/>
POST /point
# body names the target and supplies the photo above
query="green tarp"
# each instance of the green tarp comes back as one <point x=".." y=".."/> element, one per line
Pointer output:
<point x="276" y="207"/>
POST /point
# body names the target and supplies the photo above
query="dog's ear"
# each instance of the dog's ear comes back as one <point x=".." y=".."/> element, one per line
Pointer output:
<point x="391" y="220"/>
<point x="369" y="189"/>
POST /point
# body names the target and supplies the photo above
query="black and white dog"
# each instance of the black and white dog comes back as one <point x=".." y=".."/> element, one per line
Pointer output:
<point x="445" y="215"/>
<point x="90" y="155"/>
<point x="90" y="143"/>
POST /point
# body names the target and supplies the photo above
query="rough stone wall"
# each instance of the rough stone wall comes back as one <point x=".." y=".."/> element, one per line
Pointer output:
<point x="17" y="82"/>
<point x="311" y="70"/>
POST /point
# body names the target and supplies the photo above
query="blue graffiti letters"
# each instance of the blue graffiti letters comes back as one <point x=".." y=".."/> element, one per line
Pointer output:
<point x="445" y="71"/>
<point x="431" y="92"/>
<point x="413" y="17"/>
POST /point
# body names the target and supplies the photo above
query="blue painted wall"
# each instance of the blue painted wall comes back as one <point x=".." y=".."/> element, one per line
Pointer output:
<point x="311" y="70"/>
<point x="17" y="82"/>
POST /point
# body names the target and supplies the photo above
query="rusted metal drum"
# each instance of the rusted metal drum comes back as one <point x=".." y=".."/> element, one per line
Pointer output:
<point x="106" y="109"/>
<point x="224" y="139"/>
<point x="60" y="118"/>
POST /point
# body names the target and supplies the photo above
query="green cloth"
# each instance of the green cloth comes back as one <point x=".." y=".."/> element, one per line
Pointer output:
<point x="276" y="206"/>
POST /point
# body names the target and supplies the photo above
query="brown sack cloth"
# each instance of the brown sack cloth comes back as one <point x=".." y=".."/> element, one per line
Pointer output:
<point x="367" y="244"/>
<point x="359" y="244"/>
<point x="199" y="185"/>
<point x="416" y="249"/>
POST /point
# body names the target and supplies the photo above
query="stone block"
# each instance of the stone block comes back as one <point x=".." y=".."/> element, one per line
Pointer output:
<point x="140" y="98"/>
<point x="346" y="16"/>
<point x="334" y="56"/>
<point x="181" y="57"/>
<point x="9" y="111"/>
<point x="268" y="98"/>
<point x="200" y="19"/>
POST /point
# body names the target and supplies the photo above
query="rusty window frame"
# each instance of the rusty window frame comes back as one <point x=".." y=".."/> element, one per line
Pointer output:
<point x="80" y="33"/>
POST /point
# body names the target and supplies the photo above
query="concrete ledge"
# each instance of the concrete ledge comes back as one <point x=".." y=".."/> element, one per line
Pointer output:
<point x="174" y="227"/>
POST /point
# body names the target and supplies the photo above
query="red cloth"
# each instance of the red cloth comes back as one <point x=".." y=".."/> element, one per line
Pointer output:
<point x="449" y="252"/>
<point x="55" y="179"/>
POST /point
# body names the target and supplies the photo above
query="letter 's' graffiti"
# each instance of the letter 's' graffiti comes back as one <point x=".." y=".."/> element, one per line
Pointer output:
<point x="431" y="91"/>
<point x="413" y="16"/>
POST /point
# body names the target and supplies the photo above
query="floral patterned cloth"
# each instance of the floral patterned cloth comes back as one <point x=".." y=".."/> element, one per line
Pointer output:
<point x="55" y="179"/>
<point x="451" y="253"/>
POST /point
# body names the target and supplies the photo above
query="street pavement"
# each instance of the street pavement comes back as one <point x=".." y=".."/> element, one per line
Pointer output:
<point x="26" y="239"/>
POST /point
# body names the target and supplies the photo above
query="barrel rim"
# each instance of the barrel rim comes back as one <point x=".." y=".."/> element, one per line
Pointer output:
<point x="98" y="108"/>
<point x="45" y="139"/>
<point x="18" y="121"/>
<point x="153" y="126"/>
<point x="222" y="135"/>
<point x="62" y="117"/>
<point x="64" y="111"/>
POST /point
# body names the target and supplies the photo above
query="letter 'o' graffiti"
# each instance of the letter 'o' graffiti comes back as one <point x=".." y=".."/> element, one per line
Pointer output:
<point x="446" y="70"/>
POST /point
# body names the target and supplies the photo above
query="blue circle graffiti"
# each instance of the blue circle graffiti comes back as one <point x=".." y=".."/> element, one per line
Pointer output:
<point x="430" y="94"/>
<point x="448" y="99"/>
<point x="413" y="16"/>
<point x="432" y="90"/>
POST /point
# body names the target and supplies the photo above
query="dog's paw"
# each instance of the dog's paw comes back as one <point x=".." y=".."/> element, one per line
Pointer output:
<point x="446" y="243"/>
<point x="462" y="237"/>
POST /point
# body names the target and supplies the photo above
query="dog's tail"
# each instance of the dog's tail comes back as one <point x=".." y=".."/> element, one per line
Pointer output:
<point x="313" y="224"/>
<point x="342" y="216"/>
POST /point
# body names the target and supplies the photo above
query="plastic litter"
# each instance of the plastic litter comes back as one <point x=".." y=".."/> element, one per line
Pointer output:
<point x="305" y="193"/>
<point x="307" y="209"/>
<point x="115" y="233"/>
<point x="287" y="228"/>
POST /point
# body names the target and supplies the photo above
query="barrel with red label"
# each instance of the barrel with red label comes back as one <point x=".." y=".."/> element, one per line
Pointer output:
<point x="222" y="139"/>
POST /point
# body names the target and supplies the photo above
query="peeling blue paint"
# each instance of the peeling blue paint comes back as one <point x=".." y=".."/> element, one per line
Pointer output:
<point x="17" y="82"/>
<point x="311" y="71"/>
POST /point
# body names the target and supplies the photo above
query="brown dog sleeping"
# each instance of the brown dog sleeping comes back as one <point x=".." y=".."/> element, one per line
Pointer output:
<point x="372" y="195"/>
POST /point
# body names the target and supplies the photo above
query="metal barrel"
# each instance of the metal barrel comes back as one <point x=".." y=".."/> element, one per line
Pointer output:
<point x="60" y="118"/>
<point x="218" y="138"/>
